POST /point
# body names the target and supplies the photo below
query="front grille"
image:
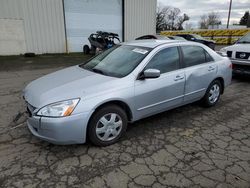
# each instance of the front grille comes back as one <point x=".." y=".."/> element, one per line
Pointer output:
<point x="229" y="53"/>
<point x="242" y="55"/>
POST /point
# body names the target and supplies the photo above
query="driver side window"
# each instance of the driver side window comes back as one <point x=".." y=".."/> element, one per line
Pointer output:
<point x="166" y="60"/>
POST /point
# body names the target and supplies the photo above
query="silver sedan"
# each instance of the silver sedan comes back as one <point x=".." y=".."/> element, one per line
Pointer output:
<point x="126" y="83"/>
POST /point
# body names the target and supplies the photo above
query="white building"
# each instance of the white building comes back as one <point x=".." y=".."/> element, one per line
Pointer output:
<point x="59" y="26"/>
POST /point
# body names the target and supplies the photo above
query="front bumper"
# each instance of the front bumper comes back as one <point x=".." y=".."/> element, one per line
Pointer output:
<point x="241" y="66"/>
<point x="63" y="131"/>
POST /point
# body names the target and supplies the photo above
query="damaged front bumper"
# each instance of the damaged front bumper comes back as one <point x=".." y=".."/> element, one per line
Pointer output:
<point x="63" y="131"/>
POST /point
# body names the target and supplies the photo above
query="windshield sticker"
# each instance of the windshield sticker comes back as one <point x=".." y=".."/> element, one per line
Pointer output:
<point x="141" y="51"/>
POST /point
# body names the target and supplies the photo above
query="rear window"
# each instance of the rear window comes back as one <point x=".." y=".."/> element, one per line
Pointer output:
<point x="208" y="57"/>
<point x="193" y="55"/>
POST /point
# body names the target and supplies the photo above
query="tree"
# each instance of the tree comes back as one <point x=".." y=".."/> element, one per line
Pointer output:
<point x="210" y="19"/>
<point x="248" y="22"/>
<point x="245" y="19"/>
<point x="169" y="18"/>
<point x="203" y="22"/>
<point x="214" y="19"/>
<point x="173" y="16"/>
<point x="181" y="20"/>
<point x="161" y="18"/>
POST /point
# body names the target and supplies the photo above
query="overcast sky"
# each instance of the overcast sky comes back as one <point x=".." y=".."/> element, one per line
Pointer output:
<point x="195" y="8"/>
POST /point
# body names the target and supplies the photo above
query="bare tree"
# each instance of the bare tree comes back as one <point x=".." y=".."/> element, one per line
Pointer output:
<point x="161" y="18"/>
<point x="173" y="16"/>
<point x="181" y="20"/>
<point x="203" y="22"/>
<point x="168" y="18"/>
<point x="210" y="19"/>
<point x="214" y="19"/>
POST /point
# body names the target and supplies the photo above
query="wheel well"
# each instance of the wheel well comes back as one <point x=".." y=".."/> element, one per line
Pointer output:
<point x="221" y="80"/>
<point x="121" y="104"/>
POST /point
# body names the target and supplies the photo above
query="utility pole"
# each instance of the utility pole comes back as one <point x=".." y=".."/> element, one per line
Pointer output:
<point x="229" y="13"/>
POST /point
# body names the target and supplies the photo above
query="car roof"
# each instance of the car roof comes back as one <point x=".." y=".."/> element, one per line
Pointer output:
<point x="151" y="43"/>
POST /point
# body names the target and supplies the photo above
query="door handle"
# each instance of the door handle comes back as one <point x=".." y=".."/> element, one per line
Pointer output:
<point x="211" y="68"/>
<point x="179" y="77"/>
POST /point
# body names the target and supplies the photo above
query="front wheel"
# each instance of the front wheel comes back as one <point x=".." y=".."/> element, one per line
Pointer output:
<point x="212" y="95"/>
<point x="107" y="125"/>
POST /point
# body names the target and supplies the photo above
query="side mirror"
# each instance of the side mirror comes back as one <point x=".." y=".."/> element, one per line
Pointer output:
<point x="150" y="74"/>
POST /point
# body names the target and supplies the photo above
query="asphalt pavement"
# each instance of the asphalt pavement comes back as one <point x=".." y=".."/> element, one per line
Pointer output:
<point x="186" y="147"/>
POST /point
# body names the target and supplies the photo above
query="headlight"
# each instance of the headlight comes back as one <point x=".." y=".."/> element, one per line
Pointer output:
<point x="223" y="50"/>
<point x="59" y="109"/>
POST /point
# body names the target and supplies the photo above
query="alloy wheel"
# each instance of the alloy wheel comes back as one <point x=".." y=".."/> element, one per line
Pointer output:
<point x="214" y="93"/>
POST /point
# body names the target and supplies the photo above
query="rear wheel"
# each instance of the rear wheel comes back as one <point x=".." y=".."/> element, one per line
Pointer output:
<point x="107" y="125"/>
<point x="86" y="49"/>
<point x="213" y="94"/>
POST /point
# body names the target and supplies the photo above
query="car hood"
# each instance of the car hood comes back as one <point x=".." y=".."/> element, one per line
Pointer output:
<point x="239" y="48"/>
<point x="69" y="83"/>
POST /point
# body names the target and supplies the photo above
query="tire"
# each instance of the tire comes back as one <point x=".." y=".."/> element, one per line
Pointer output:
<point x="110" y="130"/>
<point x="93" y="50"/>
<point x="86" y="49"/>
<point x="29" y="54"/>
<point x="215" y="88"/>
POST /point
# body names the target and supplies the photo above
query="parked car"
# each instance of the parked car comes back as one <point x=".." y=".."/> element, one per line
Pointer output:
<point x="100" y="41"/>
<point x="176" y="38"/>
<point x="198" y="38"/>
<point x="160" y="37"/>
<point x="123" y="84"/>
<point x="239" y="53"/>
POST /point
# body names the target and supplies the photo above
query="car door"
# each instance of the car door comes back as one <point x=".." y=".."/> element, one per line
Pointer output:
<point x="200" y="71"/>
<point x="156" y="95"/>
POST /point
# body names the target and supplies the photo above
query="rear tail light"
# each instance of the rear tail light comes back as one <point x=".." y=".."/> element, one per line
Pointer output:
<point x="231" y="66"/>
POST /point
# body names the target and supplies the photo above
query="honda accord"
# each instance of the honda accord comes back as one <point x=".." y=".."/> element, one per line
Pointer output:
<point x="131" y="81"/>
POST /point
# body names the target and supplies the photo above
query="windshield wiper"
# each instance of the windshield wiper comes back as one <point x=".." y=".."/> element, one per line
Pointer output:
<point x="98" y="71"/>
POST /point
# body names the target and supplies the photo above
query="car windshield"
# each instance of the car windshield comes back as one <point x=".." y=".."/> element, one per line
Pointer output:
<point x="245" y="39"/>
<point x="118" y="61"/>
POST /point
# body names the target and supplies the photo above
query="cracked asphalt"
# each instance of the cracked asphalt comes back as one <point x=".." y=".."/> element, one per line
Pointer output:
<point x="187" y="147"/>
